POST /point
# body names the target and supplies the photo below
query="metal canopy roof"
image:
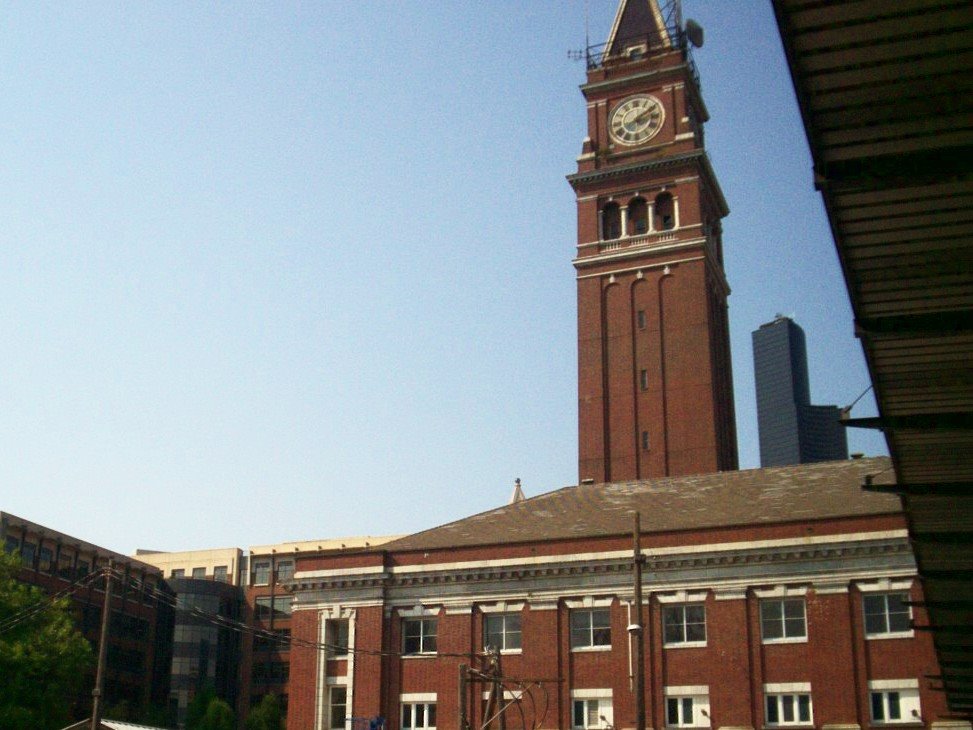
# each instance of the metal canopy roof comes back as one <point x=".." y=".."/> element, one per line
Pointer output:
<point x="886" y="93"/>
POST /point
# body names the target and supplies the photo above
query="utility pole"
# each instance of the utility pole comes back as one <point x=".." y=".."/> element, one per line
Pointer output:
<point x="637" y="627"/>
<point x="98" y="691"/>
<point x="463" y="725"/>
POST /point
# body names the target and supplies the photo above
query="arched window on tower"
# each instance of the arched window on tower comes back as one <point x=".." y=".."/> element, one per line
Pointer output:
<point x="611" y="221"/>
<point x="664" y="212"/>
<point x="638" y="214"/>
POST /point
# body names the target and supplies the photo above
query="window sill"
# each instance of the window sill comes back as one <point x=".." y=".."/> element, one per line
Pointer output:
<point x="786" y="726"/>
<point x="422" y="655"/>
<point x="891" y="635"/>
<point x="788" y="640"/>
<point x="687" y="645"/>
<point x="590" y="648"/>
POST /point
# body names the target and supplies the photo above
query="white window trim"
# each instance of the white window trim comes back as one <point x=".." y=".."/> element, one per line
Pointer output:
<point x="910" y="704"/>
<point x="792" y="689"/>
<point x="419" y="612"/>
<point x="908" y="634"/>
<point x="502" y="607"/>
<point x="511" y="611"/>
<point x="686" y="690"/>
<point x="776" y="688"/>
<point x="589" y="602"/>
<point x="686" y="644"/>
<point x="892" y="684"/>
<point x="682" y="597"/>
<point x="591" y="694"/>
<point x="420" y="654"/>
<point x="599" y="695"/>
<point x="885" y="585"/>
<point x="417" y="697"/>
<point x="595" y="605"/>
<point x="783" y="639"/>
<point x="781" y="592"/>
<point x="700" y="696"/>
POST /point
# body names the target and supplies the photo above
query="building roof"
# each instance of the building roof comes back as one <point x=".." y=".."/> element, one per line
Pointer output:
<point x="112" y="725"/>
<point x="8" y="520"/>
<point x="884" y="91"/>
<point x="807" y="492"/>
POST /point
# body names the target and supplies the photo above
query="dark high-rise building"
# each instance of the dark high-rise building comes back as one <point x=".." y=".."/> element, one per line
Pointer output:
<point x="792" y="431"/>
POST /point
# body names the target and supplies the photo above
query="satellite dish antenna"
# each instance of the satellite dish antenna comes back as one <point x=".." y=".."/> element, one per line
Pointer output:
<point x="694" y="31"/>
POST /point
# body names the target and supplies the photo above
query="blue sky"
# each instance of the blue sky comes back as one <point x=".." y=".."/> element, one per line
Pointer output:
<point x="291" y="271"/>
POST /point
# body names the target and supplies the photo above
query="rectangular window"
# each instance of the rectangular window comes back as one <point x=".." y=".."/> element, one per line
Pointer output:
<point x="65" y="565"/>
<point x="279" y="606"/>
<point x="339" y="706"/>
<point x="220" y="574"/>
<point x="336" y="636"/>
<point x="419" y="637"/>
<point x="285" y="570"/>
<point x="894" y="701"/>
<point x="684" y="625"/>
<point x="782" y="620"/>
<point x="199" y="573"/>
<point x="177" y="573"/>
<point x="590" y="628"/>
<point x="27" y="554"/>
<point x="45" y="564"/>
<point x="788" y="709"/>
<point x="640" y="319"/>
<point x="418" y="715"/>
<point x="502" y="631"/>
<point x="278" y="641"/>
<point x="643" y="379"/>
<point x="12" y="544"/>
<point x="679" y="711"/>
<point x="261" y="572"/>
<point x="887" y="614"/>
<point x="645" y="441"/>
<point x="591" y="713"/>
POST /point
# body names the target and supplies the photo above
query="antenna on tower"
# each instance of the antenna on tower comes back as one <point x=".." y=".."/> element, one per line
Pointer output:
<point x="585" y="54"/>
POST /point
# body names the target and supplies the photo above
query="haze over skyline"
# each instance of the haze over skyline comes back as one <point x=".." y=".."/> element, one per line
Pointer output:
<point x="276" y="273"/>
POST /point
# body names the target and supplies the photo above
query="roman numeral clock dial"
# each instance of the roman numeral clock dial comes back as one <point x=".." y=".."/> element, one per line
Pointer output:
<point x="636" y="120"/>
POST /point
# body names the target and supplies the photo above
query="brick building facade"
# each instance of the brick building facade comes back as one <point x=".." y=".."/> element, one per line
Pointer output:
<point x="140" y="628"/>
<point x="655" y="389"/>
<point x="772" y="598"/>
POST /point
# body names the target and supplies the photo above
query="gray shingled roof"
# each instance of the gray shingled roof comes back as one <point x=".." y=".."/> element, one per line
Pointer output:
<point x="734" y="498"/>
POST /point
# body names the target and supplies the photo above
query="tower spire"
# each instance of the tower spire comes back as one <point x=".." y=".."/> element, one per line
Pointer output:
<point x="637" y="22"/>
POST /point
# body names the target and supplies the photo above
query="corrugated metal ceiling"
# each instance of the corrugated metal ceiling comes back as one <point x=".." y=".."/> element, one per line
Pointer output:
<point x="886" y="91"/>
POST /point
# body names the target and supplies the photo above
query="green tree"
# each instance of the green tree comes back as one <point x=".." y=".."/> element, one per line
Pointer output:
<point x="219" y="716"/>
<point x="43" y="657"/>
<point x="267" y="715"/>
<point x="198" y="705"/>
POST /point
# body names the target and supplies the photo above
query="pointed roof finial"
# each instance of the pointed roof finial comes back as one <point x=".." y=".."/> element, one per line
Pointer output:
<point x="637" y="21"/>
<point x="518" y="495"/>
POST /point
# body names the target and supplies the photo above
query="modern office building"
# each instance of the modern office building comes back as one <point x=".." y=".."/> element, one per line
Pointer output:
<point x="140" y="627"/>
<point x="792" y="430"/>
<point x="232" y="625"/>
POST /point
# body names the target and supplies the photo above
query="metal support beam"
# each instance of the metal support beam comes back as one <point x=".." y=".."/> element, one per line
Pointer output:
<point x="945" y="489"/>
<point x="959" y="421"/>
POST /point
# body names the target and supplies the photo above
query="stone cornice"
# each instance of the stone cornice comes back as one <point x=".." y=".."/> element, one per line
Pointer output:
<point x="698" y="156"/>
<point x="658" y="568"/>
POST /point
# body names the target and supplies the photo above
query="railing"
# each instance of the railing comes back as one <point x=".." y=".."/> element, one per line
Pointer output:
<point x="673" y="39"/>
<point x="644" y="239"/>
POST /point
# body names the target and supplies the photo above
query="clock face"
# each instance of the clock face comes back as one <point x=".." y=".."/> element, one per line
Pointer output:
<point x="636" y="120"/>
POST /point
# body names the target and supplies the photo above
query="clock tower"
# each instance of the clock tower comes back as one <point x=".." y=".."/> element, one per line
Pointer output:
<point x="655" y="390"/>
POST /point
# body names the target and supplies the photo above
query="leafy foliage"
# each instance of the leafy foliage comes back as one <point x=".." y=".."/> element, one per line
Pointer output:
<point x="43" y="658"/>
<point x="219" y="716"/>
<point x="268" y="715"/>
